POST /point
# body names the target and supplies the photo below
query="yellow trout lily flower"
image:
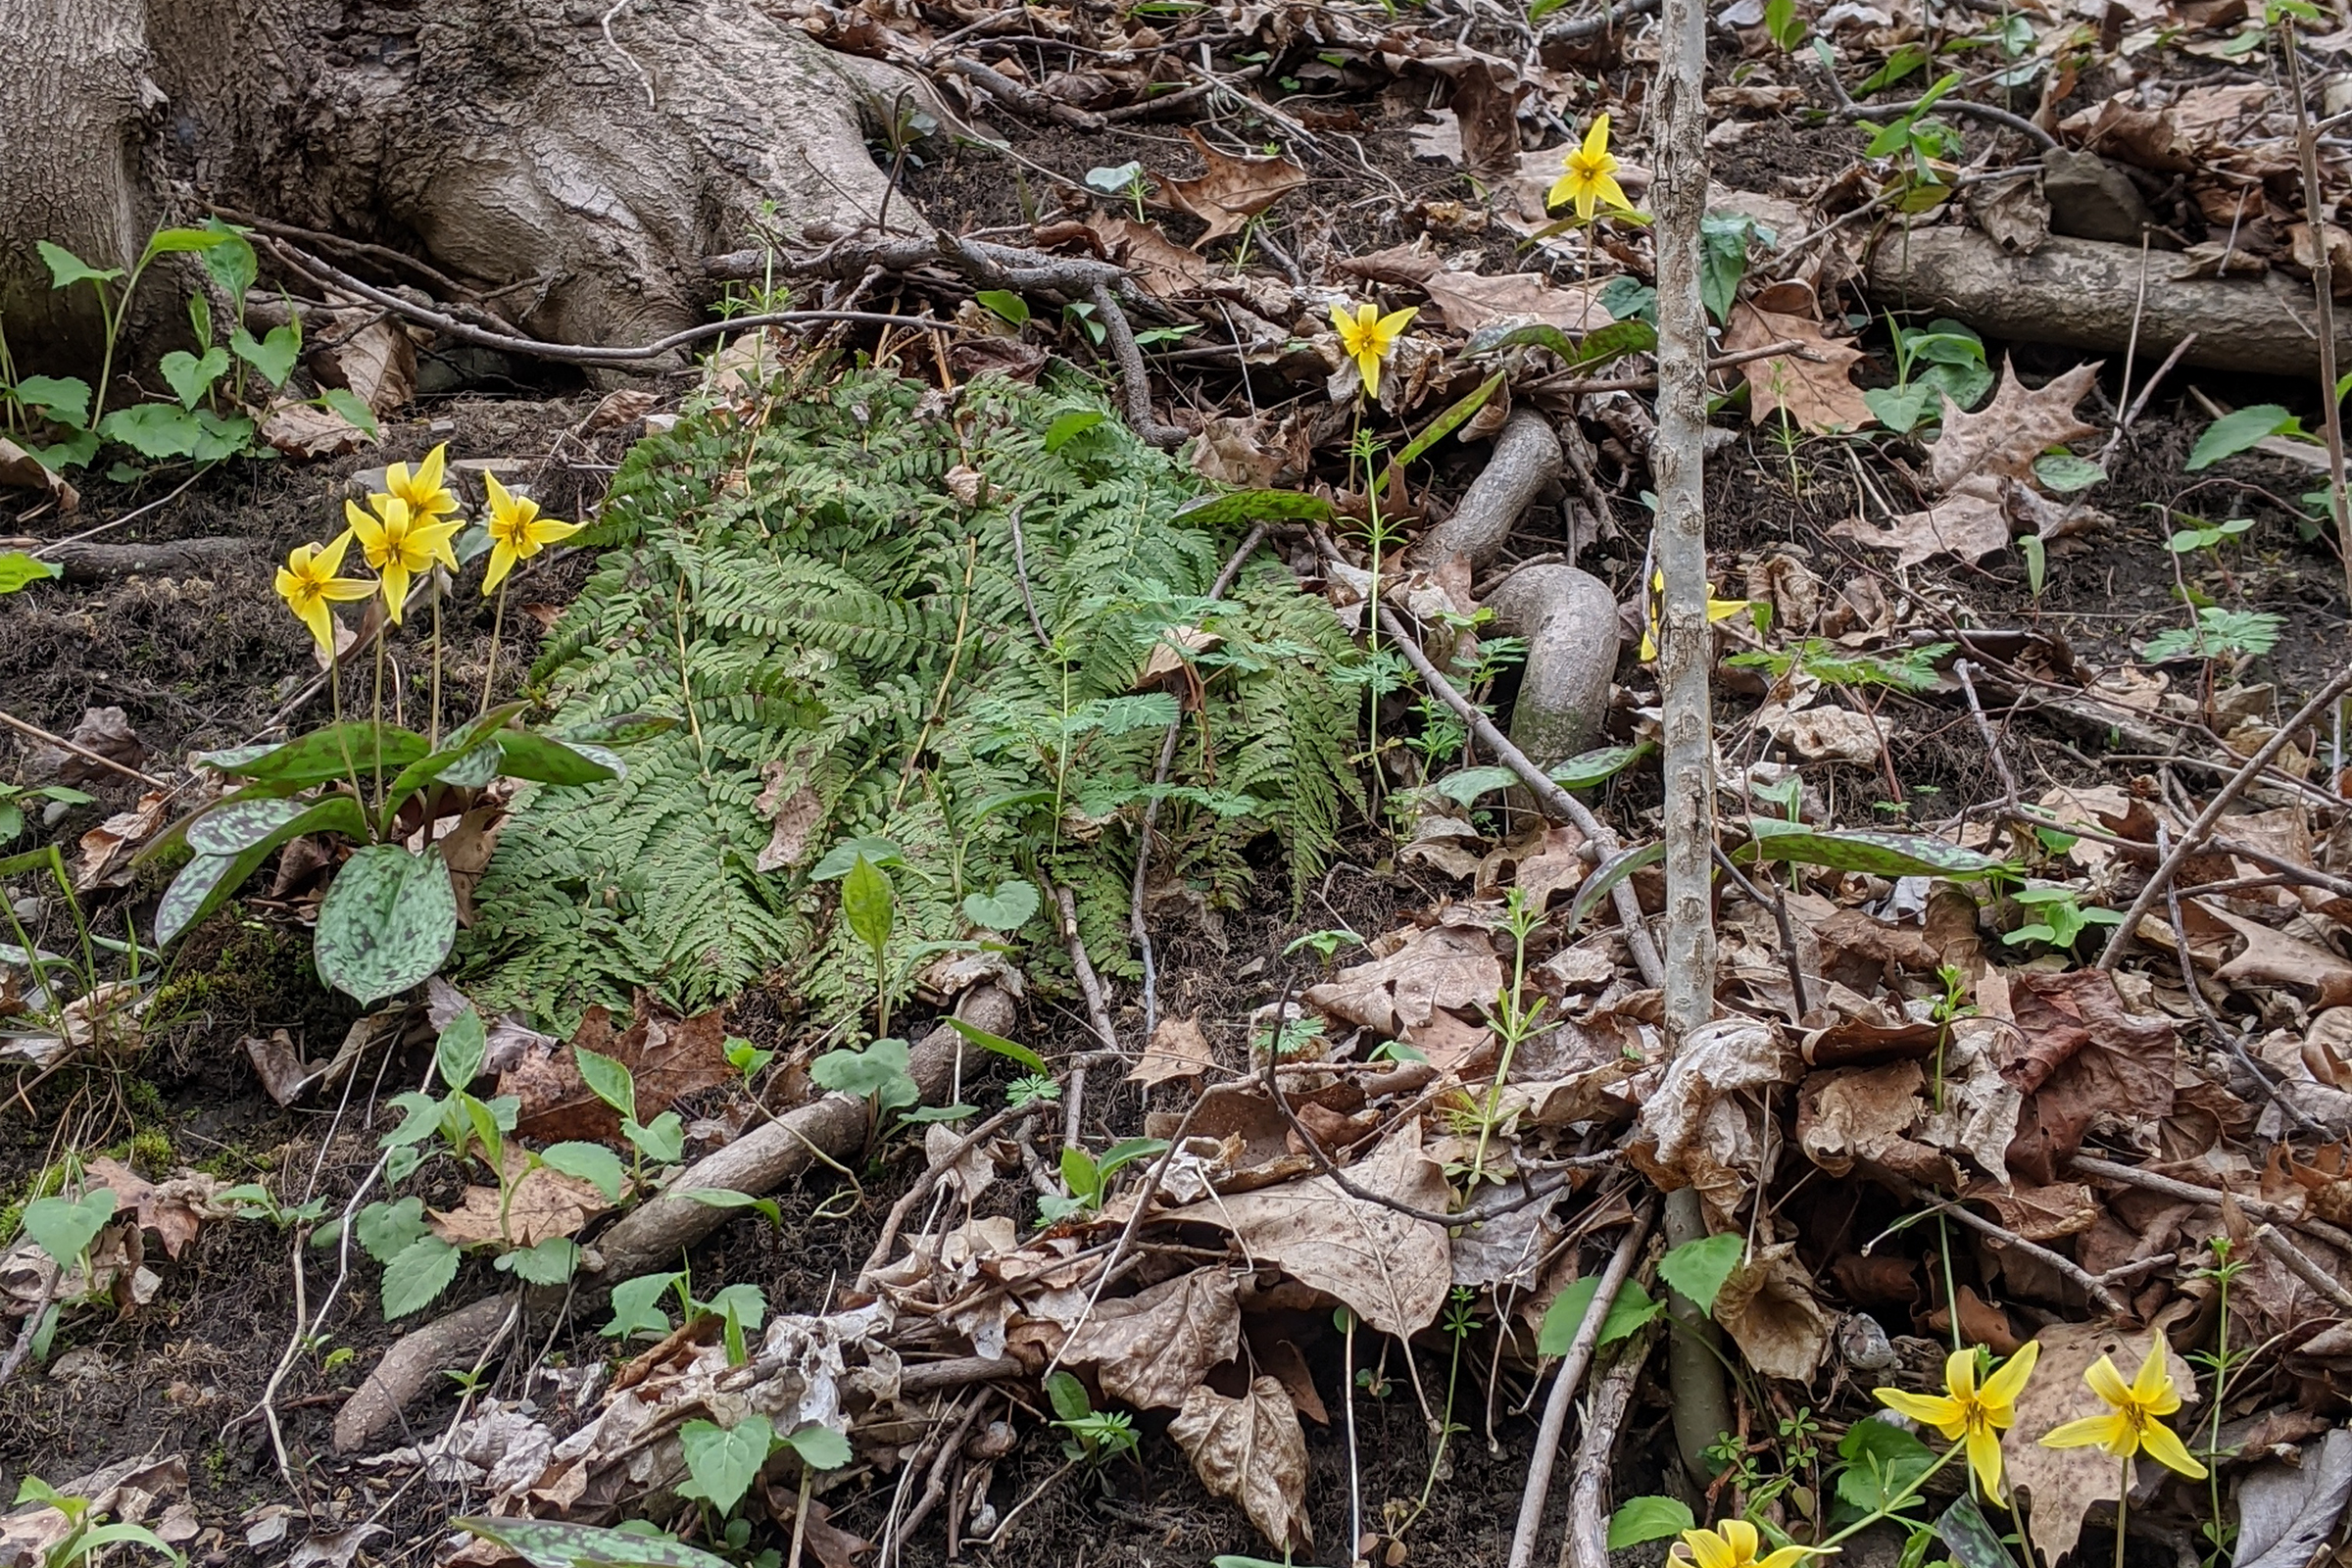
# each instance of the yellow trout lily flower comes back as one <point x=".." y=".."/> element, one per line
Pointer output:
<point x="1369" y="338"/>
<point x="2131" y="1425"/>
<point x="1968" y="1411"/>
<point x="517" y="531"/>
<point x="308" y="583"/>
<point x="1717" y="610"/>
<point x="421" y="492"/>
<point x="1732" y="1544"/>
<point x="397" y="544"/>
<point x="1588" y="179"/>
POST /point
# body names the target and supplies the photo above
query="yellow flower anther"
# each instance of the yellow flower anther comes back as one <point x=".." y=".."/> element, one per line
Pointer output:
<point x="308" y="583"/>
<point x="517" y="531"/>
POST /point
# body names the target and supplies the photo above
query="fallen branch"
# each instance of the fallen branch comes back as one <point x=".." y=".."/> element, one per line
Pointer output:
<point x="2092" y="1284"/>
<point x="2210" y="1197"/>
<point x="76" y="749"/>
<point x="1587" y="1542"/>
<point x="182" y="558"/>
<point x="1579" y="1355"/>
<point x="2299" y="1263"/>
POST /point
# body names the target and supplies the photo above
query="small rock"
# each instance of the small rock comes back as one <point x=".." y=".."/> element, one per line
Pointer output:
<point x="364" y="483"/>
<point x="2091" y="199"/>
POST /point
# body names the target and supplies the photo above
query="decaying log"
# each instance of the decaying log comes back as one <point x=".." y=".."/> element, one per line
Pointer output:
<point x="2081" y="293"/>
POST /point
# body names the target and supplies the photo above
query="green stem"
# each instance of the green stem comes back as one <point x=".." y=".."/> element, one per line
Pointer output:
<point x="2123" y="1506"/>
<point x="498" y="620"/>
<point x="432" y="729"/>
<point x="1898" y="1502"/>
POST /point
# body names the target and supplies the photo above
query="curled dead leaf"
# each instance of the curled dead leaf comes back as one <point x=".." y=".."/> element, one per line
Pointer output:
<point x="1253" y="1450"/>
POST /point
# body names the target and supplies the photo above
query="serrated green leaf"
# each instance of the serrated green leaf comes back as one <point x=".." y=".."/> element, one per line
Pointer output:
<point x="550" y="1262"/>
<point x="65" y="1227"/>
<point x="415" y="1278"/>
<point x="2232" y="434"/>
<point x="459" y="1053"/>
<point x="1652" y="1518"/>
<point x="837" y="860"/>
<point x="231" y="261"/>
<point x="191" y="376"/>
<point x="723" y="1463"/>
<point x="1009" y="909"/>
<point x="634" y="1305"/>
<point x="592" y="1163"/>
<point x="19" y="570"/>
<point x="1243" y="508"/>
<point x="62" y="398"/>
<point x="1009" y="1050"/>
<point x="607" y="1079"/>
<point x="868" y="902"/>
<point x="387" y="922"/>
<point x="153" y="430"/>
<point x="1632" y="1308"/>
<point x="1070" y="426"/>
<point x="819" y="1447"/>
<point x="271" y="357"/>
<point x="661" y="1140"/>
<point x="1698" y="1269"/>
<point x="386" y="1230"/>
<point x="1890" y="854"/>
<point x="556" y="1543"/>
<point x="877" y="1073"/>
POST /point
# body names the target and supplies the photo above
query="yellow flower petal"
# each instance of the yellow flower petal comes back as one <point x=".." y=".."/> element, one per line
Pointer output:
<point x="2093" y="1430"/>
<point x="1709" y="1550"/>
<point x="1609" y="192"/>
<point x="1985" y="1459"/>
<point x="1596" y="140"/>
<point x="2002" y="1389"/>
<point x="2154" y="1380"/>
<point x="428" y="473"/>
<point x="1789" y="1556"/>
<point x="395" y="590"/>
<point x="545" y="531"/>
<point x="502" y="561"/>
<point x="1930" y="1409"/>
<point x="2164" y="1446"/>
<point x="364" y="525"/>
<point x="2108" y="1382"/>
<point x="321" y="623"/>
<point x="1960" y="1374"/>
<point x="1740" y="1537"/>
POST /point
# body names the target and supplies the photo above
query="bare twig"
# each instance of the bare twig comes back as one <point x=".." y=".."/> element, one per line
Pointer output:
<point x="2315" y="212"/>
<point x="2299" y="1263"/>
<point x="1098" y="1012"/>
<point x="44" y="552"/>
<point x="331" y="277"/>
<point x="1779" y="916"/>
<point x="2108" y="1170"/>
<point x="1564" y="1383"/>
<point x="2092" y="1284"/>
<point x="1134" y="379"/>
<point x="922" y="1189"/>
<point x="35" y="732"/>
<point x="2202" y="827"/>
<point x="32" y="1329"/>
<point x="1992" y="740"/>
<point x="1020" y="573"/>
<point x="1587" y="1541"/>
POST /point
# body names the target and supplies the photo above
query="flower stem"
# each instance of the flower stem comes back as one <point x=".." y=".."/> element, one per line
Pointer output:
<point x="432" y="728"/>
<point x="1899" y="1501"/>
<point x="498" y="619"/>
<point x="2122" y="1505"/>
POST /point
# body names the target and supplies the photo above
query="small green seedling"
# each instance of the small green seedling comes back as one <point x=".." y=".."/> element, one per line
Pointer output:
<point x="86" y="1539"/>
<point x="1089" y="1179"/>
<point x="2063" y="921"/>
<point x="1095" y="1436"/>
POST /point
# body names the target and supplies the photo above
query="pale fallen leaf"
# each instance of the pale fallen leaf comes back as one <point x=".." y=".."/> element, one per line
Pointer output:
<point x="1971" y="523"/>
<point x="1152" y="1348"/>
<point x="21" y="470"/>
<point x="1695" y="1129"/>
<point x="378" y="365"/>
<point x="174" y="1209"/>
<point x="971" y="1173"/>
<point x="1818" y="393"/>
<point x="1441" y="141"/>
<point x="307" y="430"/>
<point x="1178" y="1049"/>
<point x="1445" y="966"/>
<point x="1768" y="1309"/>
<point x="1391" y="1269"/>
<point x="1828" y="734"/>
<point x="2004" y="437"/>
<point x="1163" y="266"/>
<point x="1232" y="191"/>
<point x="793" y="809"/>
<point x="104" y="730"/>
<point x="2063" y="1483"/>
<point x="107" y="849"/>
<point x="1253" y="1450"/>
<point x="545" y="1204"/>
<point x="1469" y="301"/>
<point x="2273" y="958"/>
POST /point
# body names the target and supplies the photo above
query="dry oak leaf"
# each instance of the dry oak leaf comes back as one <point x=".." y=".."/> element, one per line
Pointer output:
<point x="1164" y="269"/>
<point x="1154" y="1347"/>
<point x="107" y="848"/>
<point x="1443" y="967"/>
<point x="1768" y="1309"/>
<point x="307" y="430"/>
<point x="1971" y="523"/>
<point x="1253" y="1450"/>
<point x="669" y="1057"/>
<point x="1233" y="190"/>
<point x="1819" y="392"/>
<point x="1178" y="1049"/>
<point x="174" y="1209"/>
<point x="2273" y="958"/>
<point x="2005" y="436"/>
<point x="2038" y="1213"/>
<point x="2063" y="1483"/>
<point x="1390" y="1269"/>
<point x="1469" y="301"/>
<point x="546" y="1203"/>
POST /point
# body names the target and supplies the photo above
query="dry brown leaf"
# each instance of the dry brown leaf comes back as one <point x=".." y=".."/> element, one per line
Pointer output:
<point x="1971" y="523"/>
<point x="307" y="430"/>
<point x="545" y="1204"/>
<point x="2039" y="1213"/>
<point x="107" y="848"/>
<point x="378" y="365"/>
<point x="1828" y="734"/>
<point x="2006" y="435"/>
<point x="2273" y="958"/>
<point x="1768" y="1309"/>
<point x="793" y="813"/>
<point x="669" y="1057"/>
<point x="104" y="730"/>
<point x="2063" y="1483"/>
<point x="1233" y="190"/>
<point x="1696" y="1129"/>
<point x="284" y="1075"/>
<point x="1469" y="301"/>
<point x="1253" y="1450"/>
<point x="1441" y="967"/>
<point x="1178" y="1049"/>
<point x="1163" y="266"/>
<point x="1152" y="1348"/>
<point x="174" y="1209"/>
<point x="2078" y="1054"/>
<point x="1858" y="1113"/>
<point x="22" y="470"/>
<point x="1819" y="394"/>
<point x="1390" y="1269"/>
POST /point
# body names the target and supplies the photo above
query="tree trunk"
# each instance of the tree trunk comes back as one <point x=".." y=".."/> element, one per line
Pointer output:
<point x="595" y="155"/>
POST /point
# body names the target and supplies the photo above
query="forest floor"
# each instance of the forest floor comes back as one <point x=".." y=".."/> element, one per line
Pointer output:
<point x="1995" y="732"/>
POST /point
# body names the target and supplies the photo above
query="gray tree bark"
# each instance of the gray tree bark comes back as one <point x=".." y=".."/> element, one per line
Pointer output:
<point x="503" y="140"/>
